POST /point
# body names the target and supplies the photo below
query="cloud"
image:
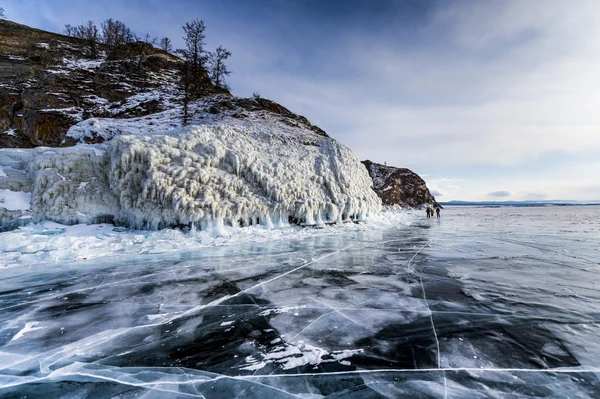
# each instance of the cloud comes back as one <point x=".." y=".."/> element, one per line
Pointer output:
<point x="499" y="194"/>
<point x="436" y="193"/>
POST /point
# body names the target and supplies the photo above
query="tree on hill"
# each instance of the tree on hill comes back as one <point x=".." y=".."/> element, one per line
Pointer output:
<point x="1" y="12"/>
<point x="194" y="79"/>
<point x="217" y="68"/>
<point x="149" y="39"/>
<point x="185" y="85"/>
<point x="87" y="31"/>
<point x="165" y="44"/>
<point x="194" y="43"/>
<point x="116" y="34"/>
<point x="112" y="33"/>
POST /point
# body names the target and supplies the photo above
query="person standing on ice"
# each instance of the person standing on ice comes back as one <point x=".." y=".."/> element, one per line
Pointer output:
<point x="428" y="212"/>
<point x="437" y="210"/>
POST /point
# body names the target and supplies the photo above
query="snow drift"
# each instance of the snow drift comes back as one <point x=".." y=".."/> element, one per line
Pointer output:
<point x="233" y="172"/>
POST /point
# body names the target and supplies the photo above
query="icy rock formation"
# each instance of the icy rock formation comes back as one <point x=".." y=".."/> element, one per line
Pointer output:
<point x="70" y="186"/>
<point x="234" y="172"/>
<point x="237" y="174"/>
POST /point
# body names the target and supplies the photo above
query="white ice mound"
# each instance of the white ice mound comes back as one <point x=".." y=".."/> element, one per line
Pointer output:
<point x="232" y="173"/>
<point x="237" y="174"/>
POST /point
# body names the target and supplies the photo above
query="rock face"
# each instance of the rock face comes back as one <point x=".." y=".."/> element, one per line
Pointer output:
<point x="48" y="83"/>
<point x="399" y="186"/>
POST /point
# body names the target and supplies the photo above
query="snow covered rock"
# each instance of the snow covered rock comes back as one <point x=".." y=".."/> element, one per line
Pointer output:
<point x="238" y="174"/>
<point x="229" y="172"/>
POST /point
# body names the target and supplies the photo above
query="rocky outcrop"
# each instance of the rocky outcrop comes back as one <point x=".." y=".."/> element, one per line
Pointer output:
<point x="399" y="186"/>
<point x="48" y="83"/>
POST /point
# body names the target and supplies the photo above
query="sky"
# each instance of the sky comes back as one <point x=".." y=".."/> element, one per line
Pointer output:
<point x="484" y="99"/>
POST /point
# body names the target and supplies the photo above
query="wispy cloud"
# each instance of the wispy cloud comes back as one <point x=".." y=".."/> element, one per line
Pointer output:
<point x="499" y="194"/>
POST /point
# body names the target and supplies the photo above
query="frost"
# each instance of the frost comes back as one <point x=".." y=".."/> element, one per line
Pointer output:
<point x="222" y="173"/>
<point x="237" y="175"/>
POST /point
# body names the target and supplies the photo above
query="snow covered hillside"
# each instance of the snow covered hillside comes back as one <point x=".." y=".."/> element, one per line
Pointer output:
<point x="151" y="173"/>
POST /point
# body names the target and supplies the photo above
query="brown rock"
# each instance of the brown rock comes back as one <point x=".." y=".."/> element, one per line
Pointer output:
<point x="48" y="80"/>
<point x="399" y="186"/>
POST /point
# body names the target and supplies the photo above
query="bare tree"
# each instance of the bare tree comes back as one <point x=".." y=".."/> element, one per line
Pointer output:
<point x="149" y="39"/>
<point x="1" y="12"/>
<point x="87" y="31"/>
<point x="185" y="84"/>
<point x="69" y="30"/>
<point x="116" y="34"/>
<point x="217" y="68"/>
<point x="194" y="42"/>
<point x="165" y="44"/>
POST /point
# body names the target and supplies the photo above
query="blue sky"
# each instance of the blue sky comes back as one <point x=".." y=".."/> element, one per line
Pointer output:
<point x="484" y="99"/>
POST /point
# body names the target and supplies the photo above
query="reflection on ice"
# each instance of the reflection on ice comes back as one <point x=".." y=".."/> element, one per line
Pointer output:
<point x="446" y="308"/>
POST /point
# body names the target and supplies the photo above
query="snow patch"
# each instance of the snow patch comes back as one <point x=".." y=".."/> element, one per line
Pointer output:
<point x="29" y="326"/>
<point x="290" y="356"/>
<point x="14" y="200"/>
<point x="10" y="132"/>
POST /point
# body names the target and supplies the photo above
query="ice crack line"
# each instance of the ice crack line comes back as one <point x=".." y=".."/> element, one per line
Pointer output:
<point x="437" y="342"/>
<point x="408" y="269"/>
<point x="100" y="338"/>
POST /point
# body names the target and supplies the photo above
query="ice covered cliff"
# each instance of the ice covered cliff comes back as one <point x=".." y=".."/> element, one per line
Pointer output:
<point x="151" y="173"/>
<point x="239" y="162"/>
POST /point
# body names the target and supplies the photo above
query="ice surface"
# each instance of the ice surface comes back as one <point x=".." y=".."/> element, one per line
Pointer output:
<point x="482" y="303"/>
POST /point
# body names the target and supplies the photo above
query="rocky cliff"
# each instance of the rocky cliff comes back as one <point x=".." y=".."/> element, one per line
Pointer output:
<point x="399" y="186"/>
<point x="48" y="83"/>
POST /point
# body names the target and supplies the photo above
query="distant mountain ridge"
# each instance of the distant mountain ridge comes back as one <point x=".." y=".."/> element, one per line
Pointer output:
<point x="520" y="203"/>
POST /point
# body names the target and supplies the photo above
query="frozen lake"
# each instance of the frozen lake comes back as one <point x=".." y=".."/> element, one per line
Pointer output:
<point x="485" y="302"/>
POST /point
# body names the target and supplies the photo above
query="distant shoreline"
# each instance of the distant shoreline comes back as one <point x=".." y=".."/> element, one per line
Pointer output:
<point x="498" y="204"/>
